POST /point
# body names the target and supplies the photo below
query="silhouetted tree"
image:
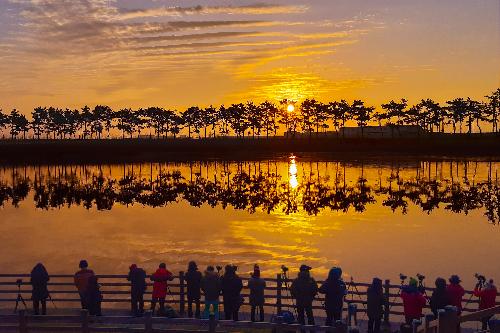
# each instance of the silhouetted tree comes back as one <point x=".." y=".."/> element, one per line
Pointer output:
<point x="237" y="119"/>
<point x="18" y="124"/>
<point x="270" y="117"/>
<point x="192" y="118"/>
<point x="39" y="122"/>
<point x="361" y="114"/>
<point x="457" y="110"/>
<point x="434" y="114"/>
<point x="493" y="109"/>
<point x="4" y="120"/>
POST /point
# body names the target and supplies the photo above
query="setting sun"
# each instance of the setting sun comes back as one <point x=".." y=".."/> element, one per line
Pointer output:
<point x="290" y="108"/>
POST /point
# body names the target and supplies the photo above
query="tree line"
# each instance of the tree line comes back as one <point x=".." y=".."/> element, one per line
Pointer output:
<point x="252" y="119"/>
<point x="265" y="191"/>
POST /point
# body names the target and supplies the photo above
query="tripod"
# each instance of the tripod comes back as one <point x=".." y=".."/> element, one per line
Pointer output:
<point x="19" y="297"/>
<point x="398" y="294"/>
<point x="353" y="288"/>
<point x="284" y="277"/>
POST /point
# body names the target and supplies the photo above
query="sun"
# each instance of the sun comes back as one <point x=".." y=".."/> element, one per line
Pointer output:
<point x="290" y="108"/>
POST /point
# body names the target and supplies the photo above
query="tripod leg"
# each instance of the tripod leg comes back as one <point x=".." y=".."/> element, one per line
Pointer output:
<point x="24" y="303"/>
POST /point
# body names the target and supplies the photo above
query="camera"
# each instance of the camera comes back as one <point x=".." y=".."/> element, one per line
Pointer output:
<point x="402" y="277"/>
<point x="219" y="268"/>
<point x="19" y="282"/>
<point x="480" y="278"/>
<point x="420" y="277"/>
<point x="284" y="268"/>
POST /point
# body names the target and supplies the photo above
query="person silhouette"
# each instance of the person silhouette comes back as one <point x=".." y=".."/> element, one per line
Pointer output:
<point x="137" y="278"/>
<point x="81" y="280"/>
<point x="39" y="279"/>
<point x="304" y="289"/>
<point x="160" y="284"/>
<point x="193" y="280"/>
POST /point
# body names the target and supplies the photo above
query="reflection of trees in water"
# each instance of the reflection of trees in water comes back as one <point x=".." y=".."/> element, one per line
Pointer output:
<point x="255" y="186"/>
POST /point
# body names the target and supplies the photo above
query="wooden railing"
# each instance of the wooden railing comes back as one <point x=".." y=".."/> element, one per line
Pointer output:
<point x="23" y="323"/>
<point x="116" y="293"/>
<point x="448" y="320"/>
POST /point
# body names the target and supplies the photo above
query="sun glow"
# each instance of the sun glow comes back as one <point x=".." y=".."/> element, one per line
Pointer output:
<point x="292" y="173"/>
<point x="290" y="108"/>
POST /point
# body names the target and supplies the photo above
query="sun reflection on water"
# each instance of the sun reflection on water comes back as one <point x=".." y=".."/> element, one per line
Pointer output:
<point x="292" y="173"/>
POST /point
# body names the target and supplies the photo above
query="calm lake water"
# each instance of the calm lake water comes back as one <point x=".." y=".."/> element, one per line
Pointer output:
<point x="372" y="218"/>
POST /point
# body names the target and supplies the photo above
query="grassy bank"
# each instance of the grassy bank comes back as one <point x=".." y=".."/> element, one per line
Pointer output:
<point x="132" y="150"/>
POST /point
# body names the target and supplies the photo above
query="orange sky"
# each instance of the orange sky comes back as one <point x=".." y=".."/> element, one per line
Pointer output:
<point x="131" y="53"/>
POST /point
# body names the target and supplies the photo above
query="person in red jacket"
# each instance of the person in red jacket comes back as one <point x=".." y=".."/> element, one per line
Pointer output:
<point x="160" y="284"/>
<point x="82" y="280"/>
<point x="413" y="301"/>
<point x="487" y="299"/>
<point x="455" y="292"/>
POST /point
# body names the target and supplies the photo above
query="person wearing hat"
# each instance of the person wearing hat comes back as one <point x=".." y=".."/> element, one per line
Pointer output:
<point x="160" y="280"/>
<point x="193" y="280"/>
<point x="439" y="298"/>
<point x="455" y="292"/>
<point x="81" y="280"/>
<point x="487" y="299"/>
<point x="335" y="291"/>
<point x="304" y="289"/>
<point x="137" y="278"/>
<point x="257" y="285"/>
<point x="413" y="301"/>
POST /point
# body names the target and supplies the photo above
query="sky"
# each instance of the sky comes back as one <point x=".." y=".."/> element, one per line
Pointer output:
<point x="139" y="53"/>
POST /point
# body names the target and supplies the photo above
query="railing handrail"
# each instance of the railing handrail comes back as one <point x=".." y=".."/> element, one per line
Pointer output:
<point x="116" y="289"/>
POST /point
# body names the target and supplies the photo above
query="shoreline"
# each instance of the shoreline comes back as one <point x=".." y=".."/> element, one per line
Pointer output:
<point x="184" y="149"/>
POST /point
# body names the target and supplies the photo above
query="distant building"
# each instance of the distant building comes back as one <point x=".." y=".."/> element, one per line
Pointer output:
<point x="406" y="131"/>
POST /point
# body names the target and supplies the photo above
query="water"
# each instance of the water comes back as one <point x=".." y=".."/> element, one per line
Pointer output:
<point x="372" y="218"/>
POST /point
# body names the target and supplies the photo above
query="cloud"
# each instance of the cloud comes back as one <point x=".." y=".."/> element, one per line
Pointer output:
<point x="256" y="9"/>
<point x="99" y="46"/>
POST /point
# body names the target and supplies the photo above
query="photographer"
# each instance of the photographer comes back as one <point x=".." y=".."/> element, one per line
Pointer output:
<point x="304" y="289"/>
<point x="335" y="290"/>
<point x="257" y="285"/>
<point x="439" y="298"/>
<point x="231" y="287"/>
<point x="160" y="285"/>
<point x="375" y="305"/>
<point x="413" y="301"/>
<point x="82" y="280"/>
<point x="211" y="286"/>
<point x="40" y="293"/>
<point x="193" y="279"/>
<point x="137" y="278"/>
<point x="455" y="292"/>
<point x="487" y="294"/>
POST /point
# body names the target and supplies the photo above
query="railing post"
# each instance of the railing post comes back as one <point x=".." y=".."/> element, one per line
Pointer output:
<point x="448" y="320"/>
<point x="181" y="294"/>
<point x="23" y="325"/>
<point x="212" y="323"/>
<point x="387" y="294"/>
<point x="148" y="321"/>
<point x="84" y="315"/>
<point x="279" y="285"/>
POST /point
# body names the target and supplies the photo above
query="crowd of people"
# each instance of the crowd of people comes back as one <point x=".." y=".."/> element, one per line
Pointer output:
<point x="415" y="297"/>
<point x="213" y="283"/>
